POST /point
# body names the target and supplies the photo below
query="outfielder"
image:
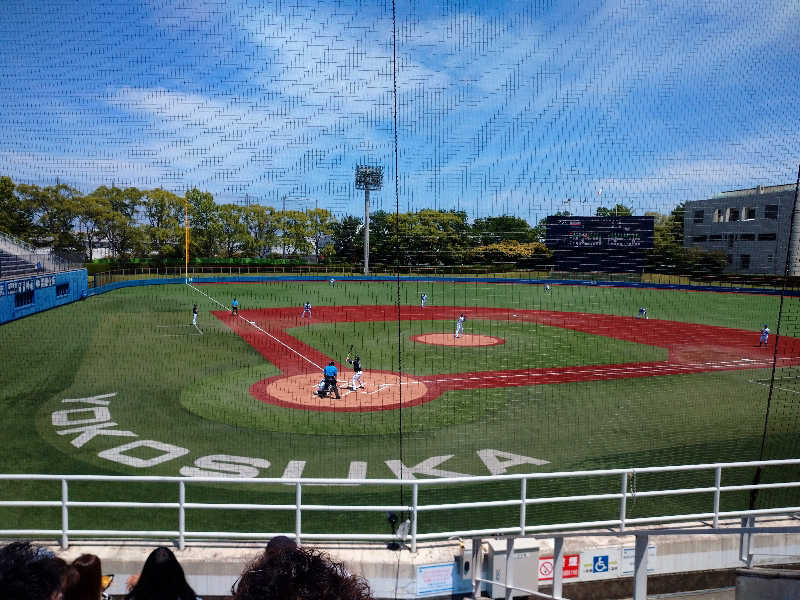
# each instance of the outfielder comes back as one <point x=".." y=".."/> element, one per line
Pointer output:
<point x="642" y="313"/>
<point x="764" y="336"/>
<point x="357" y="372"/>
<point x="332" y="281"/>
<point x="306" y="309"/>
<point x="194" y="315"/>
<point x="546" y="288"/>
<point x="422" y="300"/>
<point x="460" y="325"/>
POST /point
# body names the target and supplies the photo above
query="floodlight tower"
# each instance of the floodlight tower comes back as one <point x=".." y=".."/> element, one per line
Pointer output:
<point x="368" y="178"/>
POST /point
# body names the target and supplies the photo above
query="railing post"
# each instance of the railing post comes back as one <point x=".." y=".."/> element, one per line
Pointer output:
<point x="717" y="485"/>
<point x="414" y="504"/>
<point x="477" y="568"/>
<point x="623" y="503"/>
<point x="509" y="590"/>
<point x="298" y="495"/>
<point x="640" y="568"/>
<point x="522" y="507"/>
<point x="64" y="515"/>
<point x="558" y="566"/>
<point x="181" y="515"/>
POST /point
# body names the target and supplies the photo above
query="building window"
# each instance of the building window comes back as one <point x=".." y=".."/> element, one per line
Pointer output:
<point x="62" y="289"/>
<point x="771" y="211"/>
<point x="744" y="261"/>
<point x="767" y="237"/>
<point x="717" y="216"/>
<point x="749" y="213"/>
<point x="733" y="214"/>
<point x="747" y="236"/>
<point x="698" y="216"/>
<point x="699" y="238"/>
<point x="23" y="298"/>
<point x="730" y="259"/>
<point x="715" y="237"/>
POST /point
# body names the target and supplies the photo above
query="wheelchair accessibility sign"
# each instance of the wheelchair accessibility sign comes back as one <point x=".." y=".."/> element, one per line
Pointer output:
<point x="600" y="563"/>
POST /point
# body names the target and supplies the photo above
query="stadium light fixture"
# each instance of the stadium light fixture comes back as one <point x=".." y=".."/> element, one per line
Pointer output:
<point x="368" y="178"/>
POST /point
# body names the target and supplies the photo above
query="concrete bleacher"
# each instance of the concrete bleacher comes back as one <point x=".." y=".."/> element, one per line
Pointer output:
<point x="12" y="266"/>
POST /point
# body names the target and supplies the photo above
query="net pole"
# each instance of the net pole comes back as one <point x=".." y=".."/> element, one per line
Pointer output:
<point x="186" y="236"/>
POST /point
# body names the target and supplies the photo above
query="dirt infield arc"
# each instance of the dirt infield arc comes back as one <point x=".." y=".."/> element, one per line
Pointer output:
<point x="692" y="348"/>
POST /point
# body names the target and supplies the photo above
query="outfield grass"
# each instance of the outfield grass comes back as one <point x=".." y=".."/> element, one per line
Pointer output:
<point x="188" y="390"/>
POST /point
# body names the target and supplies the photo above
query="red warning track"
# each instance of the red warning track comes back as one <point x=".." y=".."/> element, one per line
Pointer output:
<point x="692" y="349"/>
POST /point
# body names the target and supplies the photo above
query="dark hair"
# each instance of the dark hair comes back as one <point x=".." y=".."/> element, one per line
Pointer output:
<point x="300" y="574"/>
<point x="331" y="364"/>
<point x="89" y="584"/>
<point x="29" y="572"/>
<point x="162" y="578"/>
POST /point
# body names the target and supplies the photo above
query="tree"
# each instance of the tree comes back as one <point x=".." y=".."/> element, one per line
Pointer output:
<point x="296" y="232"/>
<point x="348" y="238"/>
<point x="529" y="254"/>
<point x="233" y="231"/>
<point x="55" y="209"/>
<point x="204" y="220"/>
<point x="618" y="210"/>
<point x="163" y="213"/>
<point x="320" y="223"/>
<point x="496" y="229"/>
<point x="261" y="223"/>
<point x="116" y="213"/>
<point x="16" y="213"/>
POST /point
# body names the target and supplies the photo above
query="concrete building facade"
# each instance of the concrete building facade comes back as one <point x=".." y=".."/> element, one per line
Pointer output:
<point x="751" y="226"/>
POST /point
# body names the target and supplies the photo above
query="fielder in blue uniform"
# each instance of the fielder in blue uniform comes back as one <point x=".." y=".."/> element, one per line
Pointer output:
<point x="460" y="325"/>
<point x="306" y="310"/>
<point x="642" y="313"/>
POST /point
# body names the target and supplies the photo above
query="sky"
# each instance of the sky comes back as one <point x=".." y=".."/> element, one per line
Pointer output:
<point x="502" y="107"/>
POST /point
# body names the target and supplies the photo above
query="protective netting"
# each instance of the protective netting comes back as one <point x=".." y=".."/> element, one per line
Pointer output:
<point x="579" y="226"/>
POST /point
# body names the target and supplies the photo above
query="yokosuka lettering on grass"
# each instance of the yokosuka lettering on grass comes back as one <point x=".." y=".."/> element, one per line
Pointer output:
<point x="94" y="421"/>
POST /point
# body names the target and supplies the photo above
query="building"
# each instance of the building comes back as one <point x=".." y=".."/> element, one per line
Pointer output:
<point x="751" y="226"/>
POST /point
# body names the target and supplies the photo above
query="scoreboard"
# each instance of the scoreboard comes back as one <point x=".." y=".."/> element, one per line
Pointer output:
<point x="607" y="244"/>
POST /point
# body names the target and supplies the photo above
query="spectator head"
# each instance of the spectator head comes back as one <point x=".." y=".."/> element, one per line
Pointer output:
<point x="298" y="574"/>
<point x="280" y="542"/>
<point x="29" y="572"/>
<point x="89" y="582"/>
<point x="162" y="578"/>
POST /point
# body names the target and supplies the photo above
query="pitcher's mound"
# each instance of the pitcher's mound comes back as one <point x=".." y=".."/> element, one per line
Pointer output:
<point x="448" y="339"/>
<point x="382" y="391"/>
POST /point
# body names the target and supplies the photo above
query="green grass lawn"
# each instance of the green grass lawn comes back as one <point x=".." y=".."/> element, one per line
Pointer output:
<point x="190" y="391"/>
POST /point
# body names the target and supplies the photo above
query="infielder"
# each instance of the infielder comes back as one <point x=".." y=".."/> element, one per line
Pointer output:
<point x="422" y="300"/>
<point x="460" y="325"/>
<point x="306" y="309"/>
<point x="546" y="288"/>
<point x="194" y="315"/>
<point x="764" y="336"/>
<point x="332" y="281"/>
<point x="642" y="313"/>
<point x="357" y="372"/>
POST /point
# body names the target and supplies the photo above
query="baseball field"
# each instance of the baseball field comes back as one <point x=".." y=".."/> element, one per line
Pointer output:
<point x="569" y="379"/>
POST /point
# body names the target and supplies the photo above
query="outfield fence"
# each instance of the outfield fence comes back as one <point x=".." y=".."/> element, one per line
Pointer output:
<point x="412" y="530"/>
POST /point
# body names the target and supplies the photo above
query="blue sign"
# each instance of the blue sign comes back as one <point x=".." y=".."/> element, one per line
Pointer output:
<point x="600" y="564"/>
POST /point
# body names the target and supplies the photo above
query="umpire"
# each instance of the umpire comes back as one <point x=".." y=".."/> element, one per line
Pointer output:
<point x="330" y="373"/>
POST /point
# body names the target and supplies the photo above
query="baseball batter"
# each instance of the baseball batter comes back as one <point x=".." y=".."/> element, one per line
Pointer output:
<point x="356" y="384"/>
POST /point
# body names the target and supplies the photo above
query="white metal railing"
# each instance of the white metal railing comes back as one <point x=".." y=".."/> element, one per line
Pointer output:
<point x="48" y="261"/>
<point x="414" y="509"/>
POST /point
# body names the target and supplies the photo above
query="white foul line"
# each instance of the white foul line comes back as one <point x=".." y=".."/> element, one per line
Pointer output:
<point x="253" y="324"/>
